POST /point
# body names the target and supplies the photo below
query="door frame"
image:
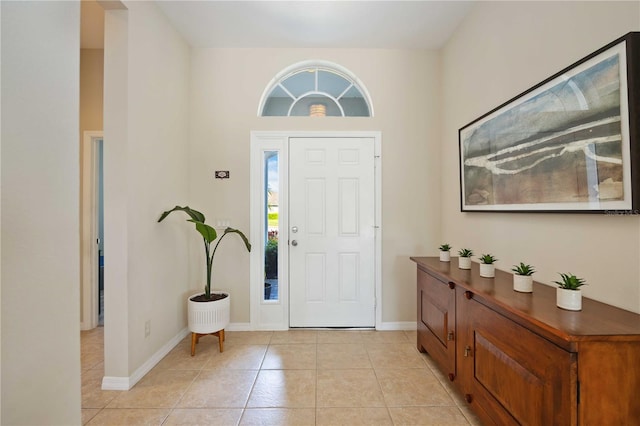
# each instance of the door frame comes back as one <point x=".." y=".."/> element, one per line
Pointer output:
<point x="274" y="315"/>
<point x="89" y="230"/>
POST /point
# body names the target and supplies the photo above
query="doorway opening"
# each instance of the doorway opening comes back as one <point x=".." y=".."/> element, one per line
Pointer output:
<point x="99" y="146"/>
<point x="93" y="260"/>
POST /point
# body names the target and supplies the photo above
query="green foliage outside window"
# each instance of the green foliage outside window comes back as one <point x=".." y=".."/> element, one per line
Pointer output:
<point x="271" y="259"/>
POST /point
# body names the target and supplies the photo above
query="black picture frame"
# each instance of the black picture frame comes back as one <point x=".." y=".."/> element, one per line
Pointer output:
<point x="568" y="144"/>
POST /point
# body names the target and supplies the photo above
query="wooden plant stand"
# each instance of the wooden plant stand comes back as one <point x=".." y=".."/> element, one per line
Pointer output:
<point x="195" y="338"/>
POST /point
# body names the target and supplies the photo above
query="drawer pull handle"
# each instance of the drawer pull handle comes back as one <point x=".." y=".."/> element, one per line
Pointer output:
<point x="452" y="285"/>
<point x="468" y="295"/>
<point x="467" y="351"/>
<point x="468" y="398"/>
<point x="451" y="376"/>
<point x="450" y="336"/>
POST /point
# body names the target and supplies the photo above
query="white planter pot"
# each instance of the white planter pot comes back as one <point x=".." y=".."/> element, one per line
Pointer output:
<point x="487" y="270"/>
<point x="445" y="256"/>
<point x="570" y="300"/>
<point x="523" y="283"/>
<point x="208" y="317"/>
<point x="464" y="262"/>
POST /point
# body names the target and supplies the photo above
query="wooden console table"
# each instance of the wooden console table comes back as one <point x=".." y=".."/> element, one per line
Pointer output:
<point x="518" y="359"/>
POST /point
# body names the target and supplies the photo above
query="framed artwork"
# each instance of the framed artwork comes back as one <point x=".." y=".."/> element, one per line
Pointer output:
<point x="568" y="144"/>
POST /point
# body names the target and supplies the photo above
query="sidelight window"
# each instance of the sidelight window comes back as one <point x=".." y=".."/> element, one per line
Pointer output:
<point x="271" y="212"/>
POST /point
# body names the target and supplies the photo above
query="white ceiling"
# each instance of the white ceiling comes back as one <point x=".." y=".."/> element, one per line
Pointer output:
<point x="355" y="24"/>
<point x="391" y="24"/>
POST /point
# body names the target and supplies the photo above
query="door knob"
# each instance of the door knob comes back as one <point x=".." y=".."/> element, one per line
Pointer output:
<point x="294" y="243"/>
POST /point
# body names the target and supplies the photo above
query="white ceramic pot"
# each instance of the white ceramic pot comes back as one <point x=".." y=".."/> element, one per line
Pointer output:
<point x="523" y="283"/>
<point x="445" y="256"/>
<point x="570" y="300"/>
<point x="208" y="317"/>
<point x="487" y="270"/>
<point x="464" y="262"/>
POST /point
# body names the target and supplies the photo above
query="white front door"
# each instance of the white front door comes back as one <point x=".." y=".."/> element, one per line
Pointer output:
<point x="331" y="232"/>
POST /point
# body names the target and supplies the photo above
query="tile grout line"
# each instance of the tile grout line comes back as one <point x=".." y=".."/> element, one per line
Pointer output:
<point x="448" y="387"/>
<point x="255" y="380"/>
<point x="386" y="405"/>
<point x="171" y="410"/>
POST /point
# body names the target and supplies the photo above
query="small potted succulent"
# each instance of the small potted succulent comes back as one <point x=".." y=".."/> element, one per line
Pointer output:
<point x="487" y="267"/>
<point x="569" y="294"/>
<point x="522" y="278"/>
<point x="445" y="254"/>
<point x="464" y="261"/>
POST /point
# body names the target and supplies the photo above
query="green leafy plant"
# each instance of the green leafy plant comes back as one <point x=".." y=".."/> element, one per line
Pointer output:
<point x="209" y="235"/>
<point x="445" y="247"/>
<point x="487" y="259"/>
<point x="465" y="252"/>
<point x="523" y="269"/>
<point x="570" y="282"/>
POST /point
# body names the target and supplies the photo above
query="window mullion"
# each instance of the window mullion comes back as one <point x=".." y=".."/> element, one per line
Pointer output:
<point x="344" y="92"/>
<point x="286" y="91"/>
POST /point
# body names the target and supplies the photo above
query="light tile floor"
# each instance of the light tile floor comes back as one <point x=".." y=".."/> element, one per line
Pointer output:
<point x="297" y="377"/>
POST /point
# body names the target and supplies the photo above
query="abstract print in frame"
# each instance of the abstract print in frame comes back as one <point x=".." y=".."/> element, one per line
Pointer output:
<point x="569" y="144"/>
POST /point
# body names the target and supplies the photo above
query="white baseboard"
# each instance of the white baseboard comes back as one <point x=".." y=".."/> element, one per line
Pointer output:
<point x="115" y="383"/>
<point x="239" y="326"/>
<point x="126" y="383"/>
<point x="385" y="326"/>
<point x="399" y="325"/>
<point x="272" y="327"/>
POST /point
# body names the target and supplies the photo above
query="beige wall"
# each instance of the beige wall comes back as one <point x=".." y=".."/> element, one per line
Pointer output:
<point x="145" y="173"/>
<point x="226" y="85"/>
<point x="500" y="50"/>
<point x="116" y="348"/>
<point x="40" y="181"/>
<point x="91" y="85"/>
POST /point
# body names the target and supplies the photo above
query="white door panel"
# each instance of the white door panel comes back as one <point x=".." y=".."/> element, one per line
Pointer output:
<point x="332" y="208"/>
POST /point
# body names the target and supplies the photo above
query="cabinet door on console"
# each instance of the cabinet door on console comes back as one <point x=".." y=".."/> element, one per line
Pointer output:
<point x="436" y="321"/>
<point x="512" y="375"/>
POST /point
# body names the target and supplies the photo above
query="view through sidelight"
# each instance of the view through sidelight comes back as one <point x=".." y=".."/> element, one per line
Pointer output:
<point x="272" y="186"/>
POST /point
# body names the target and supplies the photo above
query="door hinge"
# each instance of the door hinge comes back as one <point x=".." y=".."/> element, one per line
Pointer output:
<point x="578" y="391"/>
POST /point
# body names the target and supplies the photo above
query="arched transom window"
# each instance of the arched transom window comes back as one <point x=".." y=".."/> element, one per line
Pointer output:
<point x="315" y="89"/>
